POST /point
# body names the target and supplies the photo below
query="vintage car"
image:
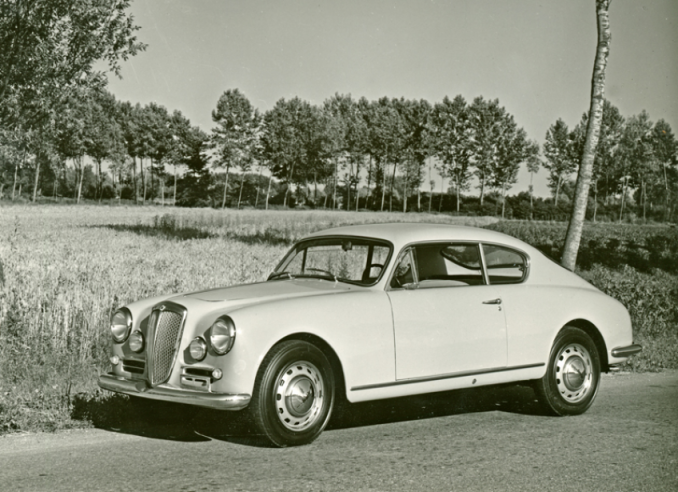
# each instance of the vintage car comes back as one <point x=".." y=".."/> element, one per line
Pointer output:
<point x="370" y="312"/>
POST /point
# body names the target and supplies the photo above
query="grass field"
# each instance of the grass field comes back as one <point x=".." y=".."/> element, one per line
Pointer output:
<point x="63" y="269"/>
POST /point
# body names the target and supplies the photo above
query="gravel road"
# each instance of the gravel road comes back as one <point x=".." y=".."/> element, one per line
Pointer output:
<point x="485" y="439"/>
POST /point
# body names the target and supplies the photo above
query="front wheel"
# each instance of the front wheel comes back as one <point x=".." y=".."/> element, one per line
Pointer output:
<point x="572" y="376"/>
<point x="293" y="394"/>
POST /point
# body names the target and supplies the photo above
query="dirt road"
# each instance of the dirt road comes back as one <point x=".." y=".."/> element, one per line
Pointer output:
<point x="484" y="439"/>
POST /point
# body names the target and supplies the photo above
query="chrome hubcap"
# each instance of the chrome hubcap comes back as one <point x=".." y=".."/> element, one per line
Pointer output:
<point x="574" y="372"/>
<point x="299" y="395"/>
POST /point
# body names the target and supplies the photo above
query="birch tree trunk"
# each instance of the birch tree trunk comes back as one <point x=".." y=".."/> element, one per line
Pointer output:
<point x="223" y="202"/>
<point x="369" y="183"/>
<point x="16" y="173"/>
<point x="242" y="182"/>
<point x="268" y="191"/>
<point x="581" y="194"/>
<point x="82" y="176"/>
<point x="37" y="176"/>
<point x="134" y="179"/>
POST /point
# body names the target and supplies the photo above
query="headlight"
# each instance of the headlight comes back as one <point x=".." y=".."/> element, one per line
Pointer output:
<point x="136" y="341"/>
<point x="198" y="348"/>
<point x="222" y="335"/>
<point x="121" y="324"/>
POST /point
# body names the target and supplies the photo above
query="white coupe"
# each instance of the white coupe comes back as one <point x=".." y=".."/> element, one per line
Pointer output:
<point x="368" y="312"/>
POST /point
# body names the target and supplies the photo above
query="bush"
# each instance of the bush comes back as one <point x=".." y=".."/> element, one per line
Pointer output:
<point x="651" y="301"/>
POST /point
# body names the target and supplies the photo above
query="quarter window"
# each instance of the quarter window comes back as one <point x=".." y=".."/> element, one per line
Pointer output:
<point x="504" y="265"/>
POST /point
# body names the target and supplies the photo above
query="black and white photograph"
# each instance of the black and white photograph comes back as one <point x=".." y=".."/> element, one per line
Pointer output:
<point x="357" y="245"/>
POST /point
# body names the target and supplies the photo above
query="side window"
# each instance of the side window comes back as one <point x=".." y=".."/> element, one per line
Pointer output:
<point x="504" y="265"/>
<point x="449" y="264"/>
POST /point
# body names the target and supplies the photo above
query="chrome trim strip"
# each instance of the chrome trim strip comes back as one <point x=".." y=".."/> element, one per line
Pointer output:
<point x="627" y="351"/>
<point x="444" y="376"/>
<point x="221" y="401"/>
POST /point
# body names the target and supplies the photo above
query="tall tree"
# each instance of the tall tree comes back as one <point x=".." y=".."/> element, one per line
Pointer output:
<point x="533" y="163"/>
<point x="665" y="152"/>
<point x="234" y="136"/>
<point x="487" y="121"/>
<point x="453" y="137"/>
<point x="560" y="158"/>
<point x="634" y="158"/>
<point x="103" y="135"/>
<point x="581" y="195"/>
<point x="292" y="141"/>
<point x="513" y="148"/>
<point x="603" y="178"/>
<point x="48" y="48"/>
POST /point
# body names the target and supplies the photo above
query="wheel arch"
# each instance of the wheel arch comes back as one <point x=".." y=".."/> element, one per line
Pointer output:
<point x="331" y="355"/>
<point x="591" y="330"/>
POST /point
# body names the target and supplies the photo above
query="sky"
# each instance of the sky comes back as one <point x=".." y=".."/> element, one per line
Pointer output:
<point x="535" y="56"/>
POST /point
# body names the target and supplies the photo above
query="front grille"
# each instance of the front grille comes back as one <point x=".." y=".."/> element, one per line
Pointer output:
<point x="167" y="334"/>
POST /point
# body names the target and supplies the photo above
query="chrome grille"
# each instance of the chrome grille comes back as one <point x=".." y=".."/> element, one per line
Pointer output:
<point x="167" y="335"/>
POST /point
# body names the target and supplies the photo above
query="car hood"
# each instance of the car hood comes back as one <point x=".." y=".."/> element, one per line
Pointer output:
<point x="267" y="291"/>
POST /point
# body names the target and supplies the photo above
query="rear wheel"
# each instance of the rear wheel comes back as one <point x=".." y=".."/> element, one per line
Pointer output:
<point x="572" y="376"/>
<point x="293" y="394"/>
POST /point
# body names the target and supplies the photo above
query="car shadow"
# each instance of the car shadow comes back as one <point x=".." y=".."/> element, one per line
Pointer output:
<point x="170" y="421"/>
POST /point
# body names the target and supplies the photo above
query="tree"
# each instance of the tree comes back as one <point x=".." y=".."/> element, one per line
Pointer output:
<point x="453" y="141"/>
<point x="385" y="136"/>
<point x="49" y="47"/>
<point x="634" y="157"/>
<point x="605" y="162"/>
<point x="102" y="134"/>
<point x="292" y="142"/>
<point x="487" y="120"/>
<point x="416" y="143"/>
<point x="576" y="224"/>
<point x="533" y="163"/>
<point x="665" y="152"/>
<point x="234" y="136"/>
<point x="560" y="159"/>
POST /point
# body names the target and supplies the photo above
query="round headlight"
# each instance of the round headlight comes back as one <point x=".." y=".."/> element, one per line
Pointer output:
<point x="121" y="324"/>
<point x="198" y="348"/>
<point x="136" y="341"/>
<point x="222" y="335"/>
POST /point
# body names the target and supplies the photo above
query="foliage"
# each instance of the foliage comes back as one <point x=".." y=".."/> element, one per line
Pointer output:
<point x="643" y="248"/>
<point x="651" y="301"/>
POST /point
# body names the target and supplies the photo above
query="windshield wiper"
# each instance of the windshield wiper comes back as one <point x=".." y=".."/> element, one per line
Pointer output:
<point x="278" y="275"/>
<point x="324" y="275"/>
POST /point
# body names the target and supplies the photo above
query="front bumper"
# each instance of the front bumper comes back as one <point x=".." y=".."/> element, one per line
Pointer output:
<point x="220" y="401"/>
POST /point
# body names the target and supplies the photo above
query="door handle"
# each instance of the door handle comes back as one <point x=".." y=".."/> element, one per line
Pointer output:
<point x="493" y="301"/>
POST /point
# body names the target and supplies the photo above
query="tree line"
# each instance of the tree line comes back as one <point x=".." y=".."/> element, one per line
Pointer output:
<point x="59" y="126"/>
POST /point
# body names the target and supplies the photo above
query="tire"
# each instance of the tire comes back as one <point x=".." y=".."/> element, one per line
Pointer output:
<point x="293" y="394"/>
<point x="572" y="375"/>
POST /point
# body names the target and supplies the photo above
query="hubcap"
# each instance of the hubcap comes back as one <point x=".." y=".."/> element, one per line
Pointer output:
<point x="573" y="372"/>
<point x="299" y="395"/>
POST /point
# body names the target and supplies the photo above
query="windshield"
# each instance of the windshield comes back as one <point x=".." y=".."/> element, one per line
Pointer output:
<point x="341" y="259"/>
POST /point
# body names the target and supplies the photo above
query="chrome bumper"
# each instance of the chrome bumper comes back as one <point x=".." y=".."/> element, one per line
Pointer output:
<point x="220" y="401"/>
<point x="627" y="351"/>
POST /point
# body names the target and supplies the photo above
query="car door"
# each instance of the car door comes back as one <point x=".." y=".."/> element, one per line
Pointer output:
<point x="446" y="318"/>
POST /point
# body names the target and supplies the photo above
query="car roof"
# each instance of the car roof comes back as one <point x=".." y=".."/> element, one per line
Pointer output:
<point x="403" y="233"/>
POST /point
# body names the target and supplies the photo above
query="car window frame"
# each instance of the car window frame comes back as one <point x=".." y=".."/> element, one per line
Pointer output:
<point x="411" y="246"/>
<point x="378" y="241"/>
<point x="523" y="254"/>
<point x="478" y="243"/>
